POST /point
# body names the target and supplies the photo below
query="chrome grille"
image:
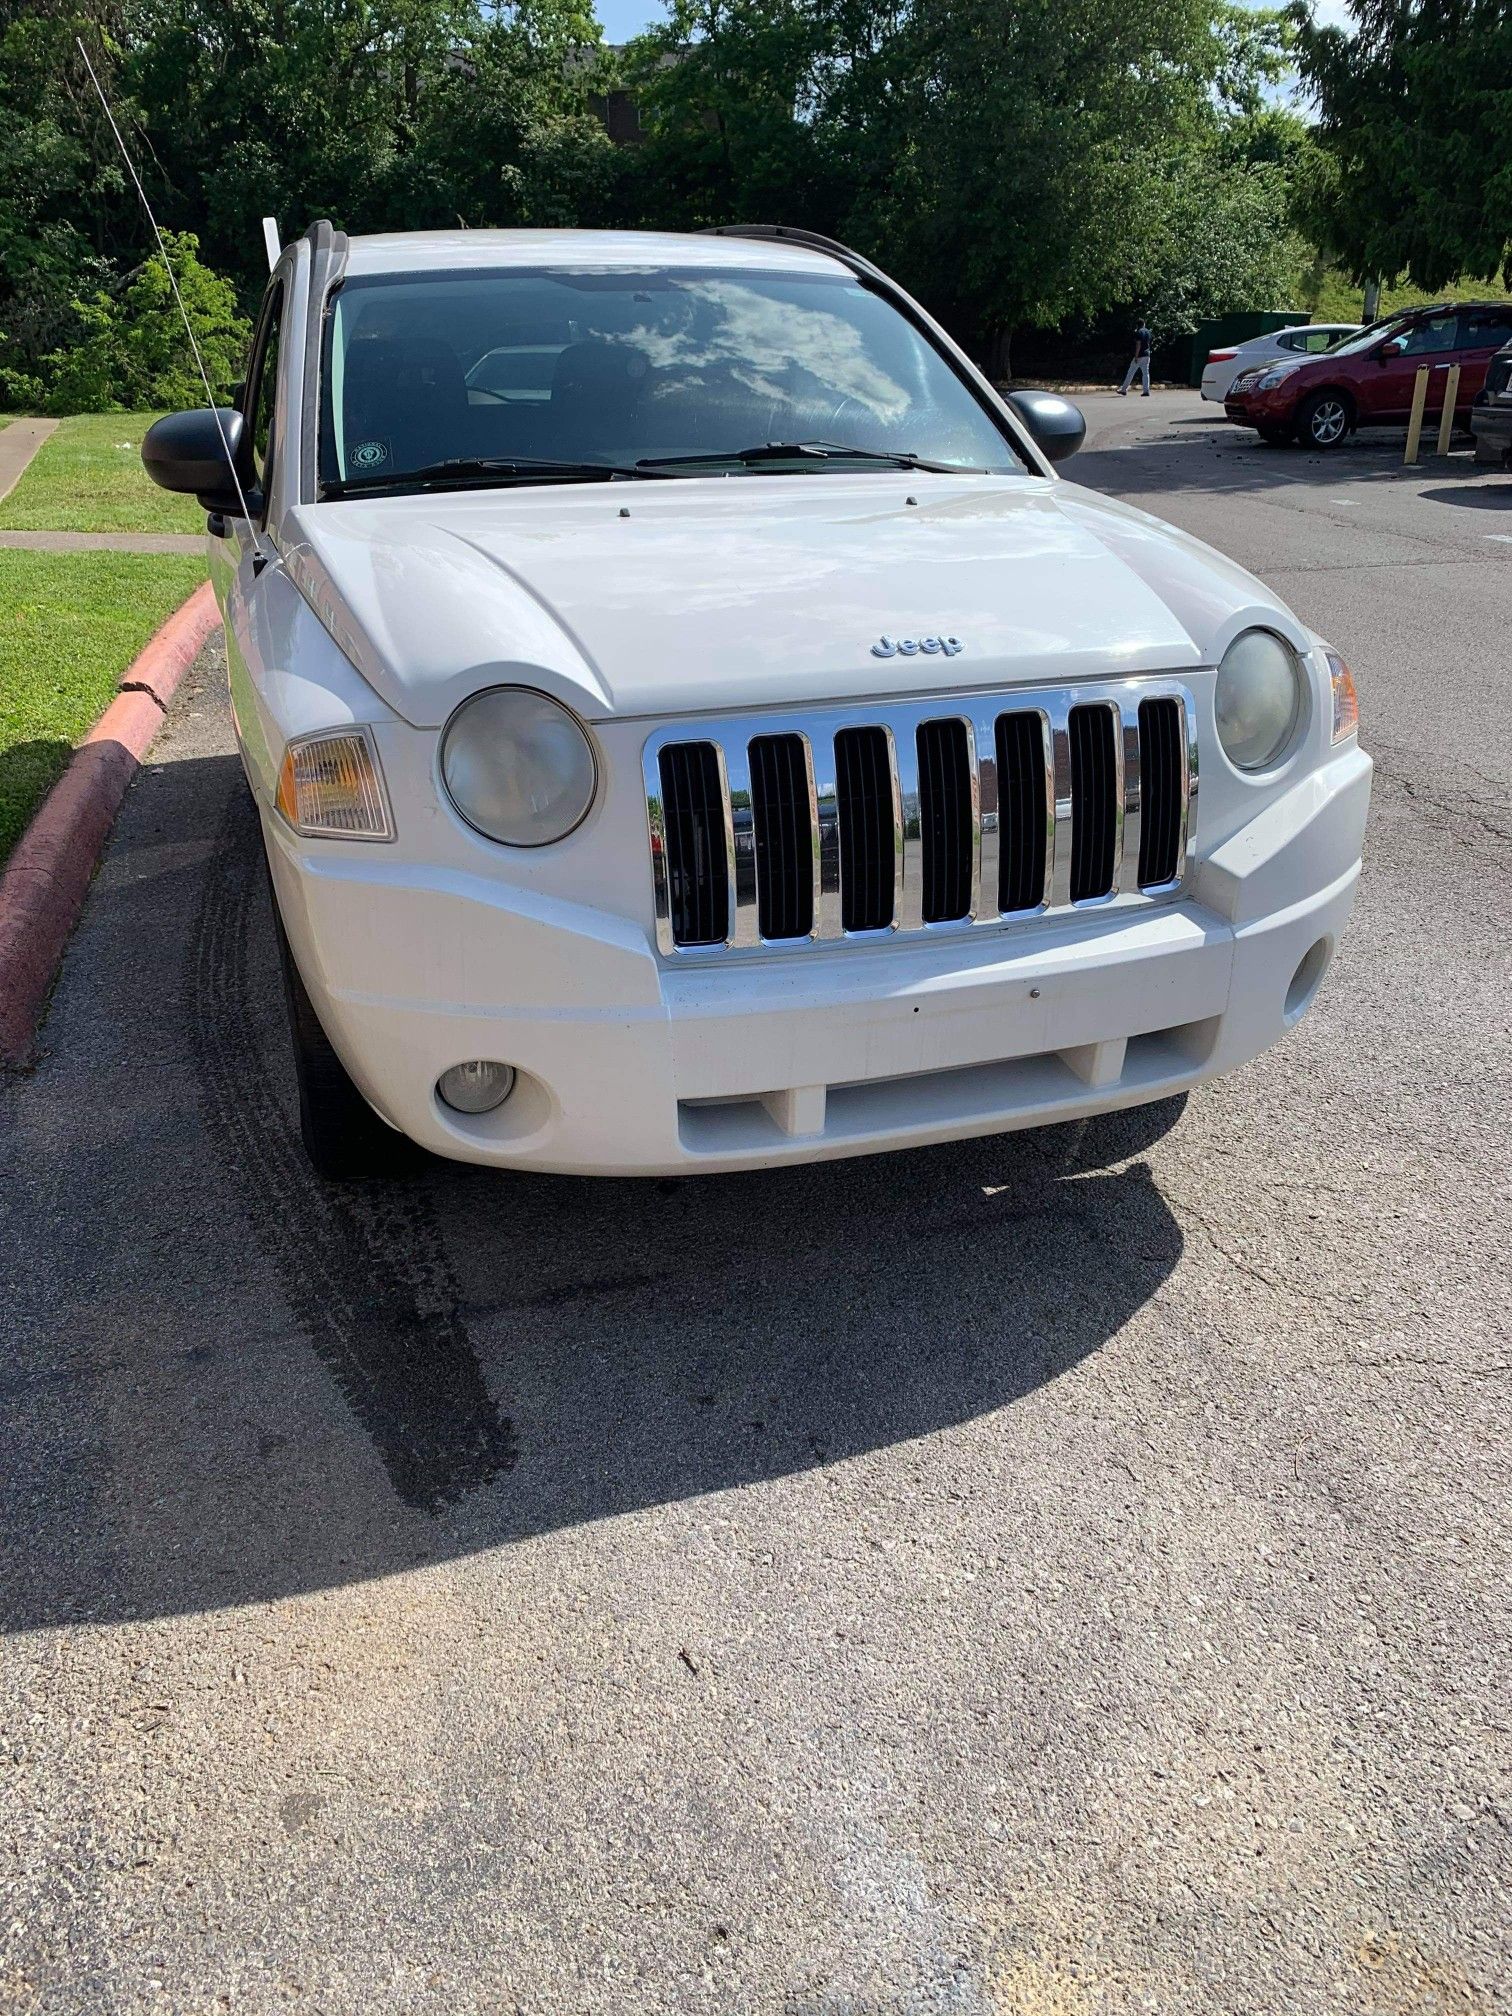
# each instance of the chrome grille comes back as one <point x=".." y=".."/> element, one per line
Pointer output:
<point x="783" y="828"/>
<point x="1025" y="810"/>
<point x="869" y="822"/>
<point x="1096" y="802"/>
<point x="1161" y="736"/>
<point x="947" y="821"/>
<point x="926" y="816"/>
<point x="695" y="857"/>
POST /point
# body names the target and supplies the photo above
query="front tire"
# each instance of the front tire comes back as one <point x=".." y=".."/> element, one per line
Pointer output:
<point x="1325" y="420"/>
<point x="1273" y="437"/>
<point x="343" y="1137"/>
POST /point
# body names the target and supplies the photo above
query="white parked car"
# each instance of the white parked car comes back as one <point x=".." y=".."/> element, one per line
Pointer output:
<point x="734" y="744"/>
<point x="1280" y="346"/>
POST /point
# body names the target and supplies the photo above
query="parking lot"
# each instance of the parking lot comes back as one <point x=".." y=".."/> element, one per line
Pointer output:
<point x="1058" y="1575"/>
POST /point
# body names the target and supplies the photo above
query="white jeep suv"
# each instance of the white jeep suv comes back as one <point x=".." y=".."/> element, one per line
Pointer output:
<point x="694" y="727"/>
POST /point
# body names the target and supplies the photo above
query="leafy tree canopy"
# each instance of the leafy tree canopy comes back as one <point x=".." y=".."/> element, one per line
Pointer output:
<point x="1414" y="168"/>
<point x="1012" y="164"/>
<point x="1042" y="163"/>
<point x="133" y="351"/>
<point x="382" y="114"/>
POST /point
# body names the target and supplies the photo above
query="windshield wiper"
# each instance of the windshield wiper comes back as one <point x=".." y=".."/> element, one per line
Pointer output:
<point x="471" y="468"/>
<point x="807" y="451"/>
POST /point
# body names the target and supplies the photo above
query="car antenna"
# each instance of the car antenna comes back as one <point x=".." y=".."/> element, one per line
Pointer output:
<point x="220" y="425"/>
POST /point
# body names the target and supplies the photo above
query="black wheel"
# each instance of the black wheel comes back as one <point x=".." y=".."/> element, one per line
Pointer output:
<point x="1324" y="420"/>
<point x="343" y="1137"/>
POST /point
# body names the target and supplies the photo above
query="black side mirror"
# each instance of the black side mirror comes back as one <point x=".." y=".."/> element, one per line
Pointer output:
<point x="188" y="451"/>
<point x="1057" y="426"/>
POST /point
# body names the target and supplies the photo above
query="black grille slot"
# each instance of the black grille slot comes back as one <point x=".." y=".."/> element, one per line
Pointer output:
<point x="1022" y="811"/>
<point x="784" y="837"/>
<point x="945" y="819"/>
<point x="868" y="848"/>
<point x="1160" y="792"/>
<point x="1094" y="801"/>
<point x="693" y="829"/>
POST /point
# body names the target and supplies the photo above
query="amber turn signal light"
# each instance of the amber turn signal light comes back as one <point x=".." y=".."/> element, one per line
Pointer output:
<point x="1346" y="701"/>
<point x="329" y="786"/>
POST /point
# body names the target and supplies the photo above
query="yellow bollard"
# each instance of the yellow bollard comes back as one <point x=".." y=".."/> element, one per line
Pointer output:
<point x="1446" y="425"/>
<point x="1415" y="424"/>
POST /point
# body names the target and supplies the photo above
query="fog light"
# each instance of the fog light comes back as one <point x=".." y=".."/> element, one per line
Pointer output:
<point x="476" y="1087"/>
<point x="1307" y="979"/>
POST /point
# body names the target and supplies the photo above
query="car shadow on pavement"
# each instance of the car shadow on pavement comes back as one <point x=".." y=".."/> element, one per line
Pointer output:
<point x="245" y="1383"/>
<point x="1486" y="497"/>
<point x="1217" y="457"/>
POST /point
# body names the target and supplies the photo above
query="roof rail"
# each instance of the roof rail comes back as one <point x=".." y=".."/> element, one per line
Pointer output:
<point x="792" y="234"/>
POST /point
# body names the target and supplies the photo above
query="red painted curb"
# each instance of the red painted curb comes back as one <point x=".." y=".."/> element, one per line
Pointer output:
<point x="48" y="875"/>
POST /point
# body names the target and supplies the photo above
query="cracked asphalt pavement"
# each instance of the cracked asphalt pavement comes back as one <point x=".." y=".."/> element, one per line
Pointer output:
<point x="1062" y="1575"/>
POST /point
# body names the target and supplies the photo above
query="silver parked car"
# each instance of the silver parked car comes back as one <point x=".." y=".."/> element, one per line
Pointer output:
<point x="1310" y="339"/>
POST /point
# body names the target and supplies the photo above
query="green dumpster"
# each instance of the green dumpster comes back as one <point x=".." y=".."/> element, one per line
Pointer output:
<point x="1227" y="329"/>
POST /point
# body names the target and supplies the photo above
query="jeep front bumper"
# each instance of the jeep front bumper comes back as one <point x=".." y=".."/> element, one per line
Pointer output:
<point x="629" y="1065"/>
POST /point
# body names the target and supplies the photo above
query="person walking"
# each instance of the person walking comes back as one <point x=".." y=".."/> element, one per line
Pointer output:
<point x="1140" y="361"/>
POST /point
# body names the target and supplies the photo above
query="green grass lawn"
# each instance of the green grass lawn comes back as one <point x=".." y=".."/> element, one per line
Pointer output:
<point x="1335" y="298"/>
<point x="88" y="477"/>
<point x="70" y="624"/>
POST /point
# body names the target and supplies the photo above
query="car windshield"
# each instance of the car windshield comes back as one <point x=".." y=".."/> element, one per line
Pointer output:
<point x="522" y="375"/>
<point x="1378" y="332"/>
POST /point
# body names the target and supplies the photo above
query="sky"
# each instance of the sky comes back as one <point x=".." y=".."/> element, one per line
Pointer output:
<point x="624" y="18"/>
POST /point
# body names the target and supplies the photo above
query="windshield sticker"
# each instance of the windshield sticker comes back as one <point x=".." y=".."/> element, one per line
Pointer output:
<point x="369" y="454"/>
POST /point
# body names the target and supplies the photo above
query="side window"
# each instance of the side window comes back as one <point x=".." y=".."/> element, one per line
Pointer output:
<point x="1289" y="341"/>
<point x="1315" y="341"/>
<point x="260" y="394"/>
<point x="1485" y="329"/>
<point x="1426" y="339"/>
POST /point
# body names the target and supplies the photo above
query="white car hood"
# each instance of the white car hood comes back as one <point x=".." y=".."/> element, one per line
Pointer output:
<point x="707" y="595"/>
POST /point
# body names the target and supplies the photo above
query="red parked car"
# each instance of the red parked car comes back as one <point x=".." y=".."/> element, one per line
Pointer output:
<point x="1367" y="381"/>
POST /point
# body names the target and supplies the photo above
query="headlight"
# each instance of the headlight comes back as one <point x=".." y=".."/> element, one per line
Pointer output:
<point x="518" y="766"/>
<point x="1269" y="378"/>
<point x="1258" y="700"/>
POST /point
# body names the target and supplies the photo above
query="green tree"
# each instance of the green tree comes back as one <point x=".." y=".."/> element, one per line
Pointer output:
<point x="1014" y="166"/>
<point x="1414" y="167"/>
<point x="379" y="114"/>
<point x="727" y="92"/>
<point x="1218" y="241"/>
<point x="134" y="351"/>
<point x="61" y="188"/>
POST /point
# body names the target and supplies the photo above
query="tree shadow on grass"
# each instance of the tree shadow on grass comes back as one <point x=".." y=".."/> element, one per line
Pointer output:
<point x="28" y="771"/>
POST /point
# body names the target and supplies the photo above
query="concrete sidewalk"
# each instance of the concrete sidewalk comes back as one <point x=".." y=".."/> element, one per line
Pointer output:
<point x="18" y="443"/>
<point x="103" y="542"/>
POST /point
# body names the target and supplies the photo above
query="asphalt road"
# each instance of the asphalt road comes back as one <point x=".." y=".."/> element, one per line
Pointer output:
<point x="1061" y="1575"/>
